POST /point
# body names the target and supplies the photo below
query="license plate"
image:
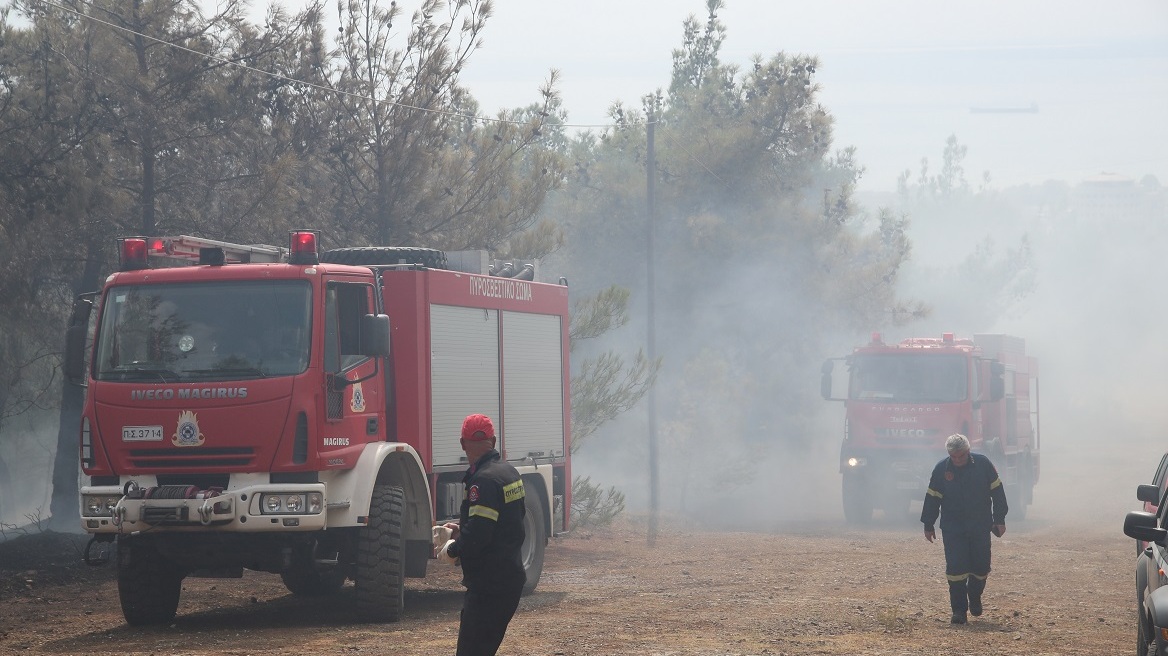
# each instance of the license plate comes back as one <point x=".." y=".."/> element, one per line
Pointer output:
<point x="141" y="433"/>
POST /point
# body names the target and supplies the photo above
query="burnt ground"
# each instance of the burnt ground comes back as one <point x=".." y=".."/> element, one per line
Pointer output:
<point x="1062" y="584"/>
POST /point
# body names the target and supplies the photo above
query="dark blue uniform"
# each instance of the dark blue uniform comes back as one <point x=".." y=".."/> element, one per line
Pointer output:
<point x="970" y="500"/>
<point x="489" y="547"/>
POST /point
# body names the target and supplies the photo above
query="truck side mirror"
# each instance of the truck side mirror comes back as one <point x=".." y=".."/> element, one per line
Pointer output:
<point x="997" y="381"/>
<point x="75" y="336"/>
<point x="1142" y="526"/>
<point x="375" y="335"/>
<point x="1148" y="494"/>
<point x="75" y="354"/>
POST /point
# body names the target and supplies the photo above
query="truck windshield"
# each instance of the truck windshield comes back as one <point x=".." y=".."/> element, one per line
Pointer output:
<point x="909" y="378"/>
<point x="204" y="331"/>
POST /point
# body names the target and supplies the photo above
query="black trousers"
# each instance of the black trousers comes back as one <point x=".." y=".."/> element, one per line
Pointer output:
<point x="967" y="564"/>
<point x="485" y="616"/>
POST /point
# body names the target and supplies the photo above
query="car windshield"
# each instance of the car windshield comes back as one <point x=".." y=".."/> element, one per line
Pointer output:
<point x="909" y="378"/>
<point x="204" y="331"/>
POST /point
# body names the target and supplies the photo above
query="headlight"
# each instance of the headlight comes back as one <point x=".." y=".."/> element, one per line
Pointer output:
<point x="857" y="462"/>
<point x="296" y="503"/>
<point x="99" y="505"/>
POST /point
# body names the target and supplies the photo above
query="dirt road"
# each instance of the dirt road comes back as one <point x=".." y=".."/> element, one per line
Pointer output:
<point x="1061" y="584"/>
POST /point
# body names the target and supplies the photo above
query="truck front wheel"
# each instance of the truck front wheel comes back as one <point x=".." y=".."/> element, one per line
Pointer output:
<point x="534" y="541"/>
<point x="149" y="584"/>
<point x="380" y="571"/>
<point x="857" y="500"/>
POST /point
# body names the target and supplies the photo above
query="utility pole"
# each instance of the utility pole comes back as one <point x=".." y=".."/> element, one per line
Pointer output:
<point x="651" y="339"/>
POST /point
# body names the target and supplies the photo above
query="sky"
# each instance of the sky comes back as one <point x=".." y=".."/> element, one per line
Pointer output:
<point x="899" y="77"/>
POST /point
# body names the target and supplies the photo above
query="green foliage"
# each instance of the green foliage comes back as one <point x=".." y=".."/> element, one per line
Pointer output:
<point x="592" y="506"/>
<point x="606" y="385"/>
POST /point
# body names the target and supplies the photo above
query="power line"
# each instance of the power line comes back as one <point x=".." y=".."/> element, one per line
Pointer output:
<point x="327" y="89"/>
<point x="305" y="83"/>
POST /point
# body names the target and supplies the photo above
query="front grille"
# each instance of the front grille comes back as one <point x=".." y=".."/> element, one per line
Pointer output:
<point x="228" y="456"/>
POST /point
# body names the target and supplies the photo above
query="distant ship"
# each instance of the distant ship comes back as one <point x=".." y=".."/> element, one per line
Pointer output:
<point x="1032" y="109"/>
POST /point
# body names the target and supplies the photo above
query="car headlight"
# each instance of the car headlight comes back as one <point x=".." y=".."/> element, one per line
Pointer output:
<point x="854" y="462"/>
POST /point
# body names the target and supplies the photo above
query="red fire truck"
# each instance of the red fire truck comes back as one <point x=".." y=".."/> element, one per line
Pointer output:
<point x="903" y="401"/>
<point x="245" y="410"/>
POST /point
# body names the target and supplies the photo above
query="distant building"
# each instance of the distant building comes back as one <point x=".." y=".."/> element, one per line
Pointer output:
<point x="1114" y="198"/>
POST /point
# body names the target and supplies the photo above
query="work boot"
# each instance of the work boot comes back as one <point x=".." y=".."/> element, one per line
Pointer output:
<point x="976" y="587"/>
<point x="975" y="606"/>
<point x="958" y="600"/>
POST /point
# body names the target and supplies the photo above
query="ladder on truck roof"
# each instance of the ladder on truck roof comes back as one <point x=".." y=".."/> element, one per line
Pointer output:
<point x="184" y="250"/>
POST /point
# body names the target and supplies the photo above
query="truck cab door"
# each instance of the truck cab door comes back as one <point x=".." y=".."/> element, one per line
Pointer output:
<point x="354" y="393"/>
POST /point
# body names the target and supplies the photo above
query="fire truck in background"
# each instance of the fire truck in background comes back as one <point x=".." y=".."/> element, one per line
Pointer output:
<point x="245" y="410"/>
<point x="903" y="401"/>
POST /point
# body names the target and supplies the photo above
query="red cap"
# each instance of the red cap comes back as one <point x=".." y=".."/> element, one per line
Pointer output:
<point x="477" y="427"/>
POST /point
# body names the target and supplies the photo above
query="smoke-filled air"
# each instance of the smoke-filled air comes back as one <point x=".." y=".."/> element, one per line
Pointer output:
<point x="769" y="245"/>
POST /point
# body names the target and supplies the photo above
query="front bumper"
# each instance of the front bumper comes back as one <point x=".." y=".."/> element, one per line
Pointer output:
<point x="235" y="510"/>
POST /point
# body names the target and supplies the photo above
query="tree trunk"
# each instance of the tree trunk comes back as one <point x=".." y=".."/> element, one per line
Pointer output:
<point x="65" y="506"/>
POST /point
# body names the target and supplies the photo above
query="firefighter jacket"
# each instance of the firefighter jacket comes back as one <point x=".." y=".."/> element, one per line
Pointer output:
<point x="969" y="498"/>
<point x="491" y="527"/>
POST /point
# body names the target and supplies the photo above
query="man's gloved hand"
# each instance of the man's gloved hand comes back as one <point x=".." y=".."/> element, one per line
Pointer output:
<point x="440" y="534"/>
<point x="444" y="554"/>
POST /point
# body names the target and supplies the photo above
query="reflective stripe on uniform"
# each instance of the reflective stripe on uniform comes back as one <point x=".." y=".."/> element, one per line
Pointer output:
<point x="513" y="492"/>
<point x="997" y="483"/>
<point x="962" y="577"/>
<point x="933" y="492"/>
<point x="483" y="511"/>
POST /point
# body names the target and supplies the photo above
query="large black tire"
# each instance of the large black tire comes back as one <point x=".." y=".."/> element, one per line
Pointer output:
<point x="1018" y="496"/>
<point x="534" y="540"/>
<point x="366" y="255"/>
<point x="149" y="584"/>
<point x="380" y="571"/>
<point x="1145" y="638"/>
<point x="857" y="501"/>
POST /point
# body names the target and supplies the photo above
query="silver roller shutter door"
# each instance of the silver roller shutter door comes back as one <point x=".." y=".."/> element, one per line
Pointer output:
<point x="464" y="373"/>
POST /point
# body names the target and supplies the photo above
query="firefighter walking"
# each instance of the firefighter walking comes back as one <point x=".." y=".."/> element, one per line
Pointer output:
<point x="967" y="493"/>
<point x="487" y="540"/>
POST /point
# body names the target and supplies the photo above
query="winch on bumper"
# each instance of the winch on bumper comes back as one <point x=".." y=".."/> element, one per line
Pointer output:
<point x="266" y="507"/>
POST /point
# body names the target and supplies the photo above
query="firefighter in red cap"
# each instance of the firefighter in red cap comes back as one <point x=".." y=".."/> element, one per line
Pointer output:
<point x="487" y="541"/>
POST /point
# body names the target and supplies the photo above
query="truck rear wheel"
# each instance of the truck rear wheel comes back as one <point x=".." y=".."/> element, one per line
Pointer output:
<point x="380" y="571"/>
<point x="149" y="584"/>
<point x="534" y="541"/>
<point x="430" y="258"/>
<point x="857" y="501"/>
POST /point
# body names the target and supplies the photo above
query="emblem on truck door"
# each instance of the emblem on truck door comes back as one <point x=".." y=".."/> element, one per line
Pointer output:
<point x="188" y="430"/>
<point x="357" y="403"/>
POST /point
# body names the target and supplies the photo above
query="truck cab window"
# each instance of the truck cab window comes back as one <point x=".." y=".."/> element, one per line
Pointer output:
<point x="345" y="304"/>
